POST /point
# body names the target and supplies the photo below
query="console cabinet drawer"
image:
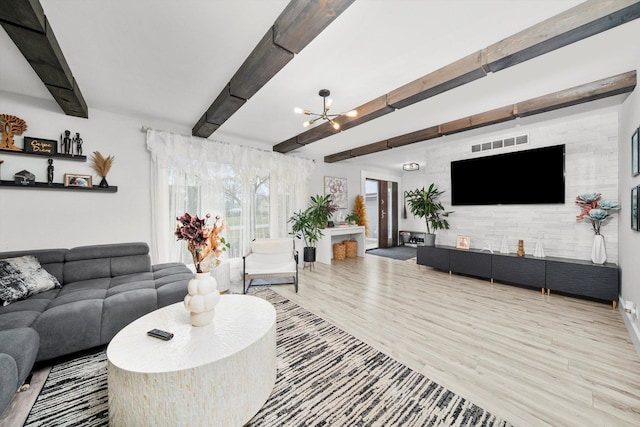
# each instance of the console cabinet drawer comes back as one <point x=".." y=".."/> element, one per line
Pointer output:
<point x="471" y="263"/>
<point x="589" y="280"/>
<point x="433" y="256"/>
<point x="519" y="270"/>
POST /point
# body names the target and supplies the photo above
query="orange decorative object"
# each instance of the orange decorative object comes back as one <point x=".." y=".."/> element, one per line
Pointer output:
<point x="11" y="125"/>
<point x="520" y="248"/>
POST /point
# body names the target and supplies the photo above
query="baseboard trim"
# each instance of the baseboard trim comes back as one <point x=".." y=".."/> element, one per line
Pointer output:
<point x="634" y="332"/>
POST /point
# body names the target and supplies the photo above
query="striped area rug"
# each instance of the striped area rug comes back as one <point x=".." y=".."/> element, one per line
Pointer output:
<point x="325" y="377"/>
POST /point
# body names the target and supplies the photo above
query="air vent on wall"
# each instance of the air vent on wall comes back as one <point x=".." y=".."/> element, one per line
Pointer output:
<point x="500" y="143"/>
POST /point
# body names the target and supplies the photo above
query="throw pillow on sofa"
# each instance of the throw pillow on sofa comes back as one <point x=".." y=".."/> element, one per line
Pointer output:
<point x="22" y="277"/>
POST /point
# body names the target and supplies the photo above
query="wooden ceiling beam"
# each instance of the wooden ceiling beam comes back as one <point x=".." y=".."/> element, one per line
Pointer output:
<point x="487" y="118"/>
<point x="333" y="158"/>
<point x="582" y="21"/>
<point x="299" y="23"/>
<point x="615" y="85"/>
<point x="302" y="20"/>
<point x="578" y="23"/>
<point x="289" y="145"/>
<point x="371" y="110"/>
<point x="26" y="24"/>
<point x="413" y="137"/>
<point x="610" y="86"/>
<point x="264" y="62"/>
<point x="370" y="148"/>
<point x="450" y="76"/>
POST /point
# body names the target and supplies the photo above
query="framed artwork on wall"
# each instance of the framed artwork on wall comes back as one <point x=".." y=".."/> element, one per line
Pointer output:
<point x="337" y="188"/>
<point x="634" y="208"/>
<point x="635" y="153"/>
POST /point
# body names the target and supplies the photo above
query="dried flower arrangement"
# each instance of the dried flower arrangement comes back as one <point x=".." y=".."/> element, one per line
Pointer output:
<point x="596" y="210"/>
<point x="203" y="240"/>
<point x="101" y="164"/>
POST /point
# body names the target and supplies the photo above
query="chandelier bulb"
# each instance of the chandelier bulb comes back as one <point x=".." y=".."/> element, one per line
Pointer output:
<point x="352" y="113"/>
<point x="335" y="125"/>
<point x="307" y="123"/>
<point x="328" y="103"/>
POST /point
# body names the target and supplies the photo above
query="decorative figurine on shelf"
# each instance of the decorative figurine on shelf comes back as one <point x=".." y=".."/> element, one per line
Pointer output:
<point x="50" y="172"/>
<point x="11" y="125"/>
<point x="65" y="142"/>
<point x="1" y="162"/>
<point x="77" y="141"/>
<point x="520" y="248"/>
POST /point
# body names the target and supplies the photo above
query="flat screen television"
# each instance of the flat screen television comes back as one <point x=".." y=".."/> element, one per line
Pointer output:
<point x="523" y="177"/>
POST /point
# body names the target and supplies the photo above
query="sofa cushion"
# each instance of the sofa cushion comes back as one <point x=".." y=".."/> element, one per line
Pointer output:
<point x="21" y="344"/>
<point x="18" y="319"/>
<point x="9" y="376"/>
<point x="23" y="276"/>
<point x="67" y="328"/>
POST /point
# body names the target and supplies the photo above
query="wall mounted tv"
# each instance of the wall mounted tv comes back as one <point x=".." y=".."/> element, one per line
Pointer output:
<point x="523" y="177"/>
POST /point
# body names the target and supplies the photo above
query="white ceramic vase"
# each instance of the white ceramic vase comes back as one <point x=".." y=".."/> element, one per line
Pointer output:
<point x="598" y="251"/>
<point x="202" y="298"/>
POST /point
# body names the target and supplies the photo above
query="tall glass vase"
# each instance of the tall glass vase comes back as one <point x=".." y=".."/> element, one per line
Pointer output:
<point x="598" y="251"/>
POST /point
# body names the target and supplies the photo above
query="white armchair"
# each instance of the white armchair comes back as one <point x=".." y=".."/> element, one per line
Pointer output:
<point x="268" y="259"/>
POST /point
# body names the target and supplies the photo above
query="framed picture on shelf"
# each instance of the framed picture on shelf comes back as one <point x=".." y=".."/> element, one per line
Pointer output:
<point x="634" y="208"/>
<point x="75" y="180"/>
<point x="635" y="153"/>
<point x="463" y="242"/>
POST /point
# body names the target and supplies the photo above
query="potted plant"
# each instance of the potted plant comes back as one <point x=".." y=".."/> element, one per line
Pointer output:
<point x="353" y="218"/>
<point x="426" y="204"/>
<point x="308" y="224"/>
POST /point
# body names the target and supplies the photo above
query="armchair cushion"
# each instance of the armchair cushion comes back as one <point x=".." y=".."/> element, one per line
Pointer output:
<point x="270" y="258"/>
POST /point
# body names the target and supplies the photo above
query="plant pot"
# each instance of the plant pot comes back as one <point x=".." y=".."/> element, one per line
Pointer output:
<point x="429" y="239"/>
<point x="309" y="254"/>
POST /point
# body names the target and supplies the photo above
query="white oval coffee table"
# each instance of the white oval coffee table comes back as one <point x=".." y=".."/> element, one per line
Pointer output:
<point x="217" y="375"/>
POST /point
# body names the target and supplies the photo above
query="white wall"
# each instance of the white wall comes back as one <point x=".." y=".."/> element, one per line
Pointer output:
<point x="591" y="165"/>
<point x="629" y="239"/>
<point x="355" y="175"/>
<point x="33" y="219"/>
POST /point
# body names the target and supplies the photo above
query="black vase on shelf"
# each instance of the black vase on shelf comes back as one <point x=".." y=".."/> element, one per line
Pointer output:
<point x="103" y="183"/>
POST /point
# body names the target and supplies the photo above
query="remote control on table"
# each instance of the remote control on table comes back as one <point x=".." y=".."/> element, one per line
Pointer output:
<point x="163" y="335"/>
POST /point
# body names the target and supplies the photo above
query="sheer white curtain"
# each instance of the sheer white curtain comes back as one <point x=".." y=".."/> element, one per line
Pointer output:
<point x="255" y="191"/>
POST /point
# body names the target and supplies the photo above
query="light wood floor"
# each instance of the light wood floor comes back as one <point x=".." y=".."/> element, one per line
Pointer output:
<point x="532" y="359"/>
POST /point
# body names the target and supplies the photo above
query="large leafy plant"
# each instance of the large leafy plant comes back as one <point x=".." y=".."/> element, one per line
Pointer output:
<point x="426" y="204"/>
<point x="309" y="223"/>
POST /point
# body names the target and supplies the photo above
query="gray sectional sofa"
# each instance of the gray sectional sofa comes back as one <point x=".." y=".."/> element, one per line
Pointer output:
<point x="103" y="288"/>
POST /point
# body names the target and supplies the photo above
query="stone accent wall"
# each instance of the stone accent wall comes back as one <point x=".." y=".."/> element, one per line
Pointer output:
<point x="591" y="165"/>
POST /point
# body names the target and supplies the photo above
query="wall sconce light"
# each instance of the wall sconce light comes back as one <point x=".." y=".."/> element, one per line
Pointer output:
<point x="410" y="167"/>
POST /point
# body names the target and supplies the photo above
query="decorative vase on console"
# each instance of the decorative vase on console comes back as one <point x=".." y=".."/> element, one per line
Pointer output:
<point x="597" y="212"/>
<point x="205" y="245"/>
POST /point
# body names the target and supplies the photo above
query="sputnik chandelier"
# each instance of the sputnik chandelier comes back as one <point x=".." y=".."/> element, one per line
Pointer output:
<point x="326" y="105"/>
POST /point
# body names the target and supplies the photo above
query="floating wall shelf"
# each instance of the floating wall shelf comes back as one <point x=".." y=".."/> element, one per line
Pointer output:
<point x="55" y="186"/>
<point x="58" y="155"/>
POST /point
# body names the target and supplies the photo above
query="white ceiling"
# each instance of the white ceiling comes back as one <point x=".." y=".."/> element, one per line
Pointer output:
<point x="168" y="60"/>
